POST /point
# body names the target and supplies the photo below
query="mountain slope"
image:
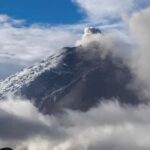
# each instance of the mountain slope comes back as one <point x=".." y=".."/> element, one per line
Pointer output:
<point x="14" y="83"/>
<point x="69" y="80"/>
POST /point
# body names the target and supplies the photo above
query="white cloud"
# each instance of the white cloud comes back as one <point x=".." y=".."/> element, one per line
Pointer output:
<point x="21" y="46"/>
<point x="20" y="121"/>
<point x="139" y="24"/>
<point x="107" y="127"/>
<point x="97" y="9"/>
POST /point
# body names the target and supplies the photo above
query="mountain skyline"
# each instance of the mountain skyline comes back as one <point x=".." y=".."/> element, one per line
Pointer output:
<point x="76" y="78"/>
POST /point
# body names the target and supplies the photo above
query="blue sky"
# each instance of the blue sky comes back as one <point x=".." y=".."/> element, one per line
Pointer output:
<point x="56" y="12"/>
<point x="42" y="11"/>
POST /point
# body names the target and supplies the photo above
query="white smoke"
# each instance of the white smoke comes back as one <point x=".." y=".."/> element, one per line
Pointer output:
<point x="103" y="44"/>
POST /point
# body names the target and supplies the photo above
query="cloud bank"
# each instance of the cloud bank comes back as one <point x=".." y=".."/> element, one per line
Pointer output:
<point x="109" y="126"/>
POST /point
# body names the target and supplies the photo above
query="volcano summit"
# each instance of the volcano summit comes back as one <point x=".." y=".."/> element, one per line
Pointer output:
<point x="76" y="78"/>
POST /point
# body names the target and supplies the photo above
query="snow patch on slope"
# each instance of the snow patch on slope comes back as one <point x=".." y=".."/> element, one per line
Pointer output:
<point x="15" y="82"/>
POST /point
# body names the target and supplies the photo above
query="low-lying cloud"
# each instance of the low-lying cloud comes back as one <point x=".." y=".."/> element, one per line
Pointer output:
<point x="109" y="126"/>
<point x="97" y="9"/>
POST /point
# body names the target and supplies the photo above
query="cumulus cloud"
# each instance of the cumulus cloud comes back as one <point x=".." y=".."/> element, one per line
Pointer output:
<point x="109" y="126"/>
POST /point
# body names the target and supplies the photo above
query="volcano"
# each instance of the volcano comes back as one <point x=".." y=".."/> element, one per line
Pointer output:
<point x="71" y="80"/>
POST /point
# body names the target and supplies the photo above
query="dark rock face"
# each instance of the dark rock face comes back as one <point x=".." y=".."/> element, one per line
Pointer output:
<point x="6" y="148"/>
<point x="79" y="84"/>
